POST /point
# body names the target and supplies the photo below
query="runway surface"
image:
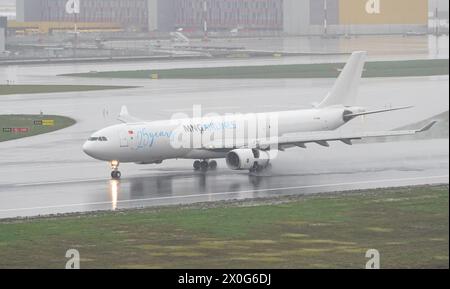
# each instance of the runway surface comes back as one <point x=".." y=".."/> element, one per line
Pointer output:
<point x="50" y="174"/>
<point x="296" y="172"/>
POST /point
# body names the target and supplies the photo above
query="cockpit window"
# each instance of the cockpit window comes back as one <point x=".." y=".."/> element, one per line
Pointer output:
<point x="101" y="138"/>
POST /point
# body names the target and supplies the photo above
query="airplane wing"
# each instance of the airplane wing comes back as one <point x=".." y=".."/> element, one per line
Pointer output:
<point x="301" y="139"/>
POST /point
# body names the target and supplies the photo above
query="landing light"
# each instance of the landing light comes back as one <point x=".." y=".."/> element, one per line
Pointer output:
<point x="114" y="164"/>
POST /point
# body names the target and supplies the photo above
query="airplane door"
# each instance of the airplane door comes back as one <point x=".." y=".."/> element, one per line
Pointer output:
<point x="123" y="135"/>
<point x="325" y="124"/>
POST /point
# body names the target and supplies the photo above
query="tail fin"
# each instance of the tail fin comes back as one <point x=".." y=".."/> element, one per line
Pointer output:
<point x="345" y="88"/>
<point x="125" y="117"/>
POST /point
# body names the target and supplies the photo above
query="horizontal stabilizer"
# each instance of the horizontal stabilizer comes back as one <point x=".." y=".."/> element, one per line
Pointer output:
<point x="352" y="115"/>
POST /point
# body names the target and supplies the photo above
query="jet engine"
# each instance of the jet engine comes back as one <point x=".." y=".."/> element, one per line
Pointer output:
<point x="249" y="159"/>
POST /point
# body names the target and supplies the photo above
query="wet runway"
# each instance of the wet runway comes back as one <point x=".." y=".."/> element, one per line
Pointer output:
<point x="50" y="174"/>
<point x="295" y="172"/>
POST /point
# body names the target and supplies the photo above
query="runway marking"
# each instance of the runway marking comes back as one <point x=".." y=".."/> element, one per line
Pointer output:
<point x="84" y="180"/>
<point x="59" y="182"/>
<point x="225" y="193"/>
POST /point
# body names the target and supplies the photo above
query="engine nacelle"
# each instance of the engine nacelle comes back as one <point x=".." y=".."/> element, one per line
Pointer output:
<point x="248" y="159"/>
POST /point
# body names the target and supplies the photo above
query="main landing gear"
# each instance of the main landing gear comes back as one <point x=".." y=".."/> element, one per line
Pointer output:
<point x="204" y="165"/>
<point x="258" y="169"/>
<point x="115" y="174"/>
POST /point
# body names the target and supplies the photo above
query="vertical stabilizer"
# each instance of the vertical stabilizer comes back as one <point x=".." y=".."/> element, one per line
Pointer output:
<point x="345" y="88"/>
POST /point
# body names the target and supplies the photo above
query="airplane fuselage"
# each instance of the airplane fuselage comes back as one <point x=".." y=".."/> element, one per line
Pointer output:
<point x="150" y="142"/>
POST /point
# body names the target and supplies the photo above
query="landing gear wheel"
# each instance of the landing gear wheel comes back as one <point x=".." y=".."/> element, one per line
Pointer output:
<point x="257" y="168"/>
<point x="197" y="165"/>
<point x="254" y="169"/>
<point x="116" y="175"/>
<point x="213" y="165"/>
<point x="204" y="165"/>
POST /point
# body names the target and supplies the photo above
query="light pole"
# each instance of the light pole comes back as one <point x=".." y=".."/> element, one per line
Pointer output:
<point x="73" y="7"/>
<point x="205" y="20"/>
<point x="436" y="18"/>
<point x="325" y="18"/>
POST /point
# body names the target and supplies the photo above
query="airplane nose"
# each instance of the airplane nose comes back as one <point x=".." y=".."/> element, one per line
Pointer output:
<point x="87" y="148"/>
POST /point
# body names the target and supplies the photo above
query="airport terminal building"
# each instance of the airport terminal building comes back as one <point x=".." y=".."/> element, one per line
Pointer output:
<point x="293" y="17"/>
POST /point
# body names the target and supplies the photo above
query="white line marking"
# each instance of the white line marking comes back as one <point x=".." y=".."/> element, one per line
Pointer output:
<point x="60" y="182"/>
<point x="83" y="180"/>
<point x="225" y="193"/>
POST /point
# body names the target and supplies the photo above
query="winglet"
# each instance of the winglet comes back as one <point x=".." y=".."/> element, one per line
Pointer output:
<point x="428" y="126"/>
<point x="125" y="117"/>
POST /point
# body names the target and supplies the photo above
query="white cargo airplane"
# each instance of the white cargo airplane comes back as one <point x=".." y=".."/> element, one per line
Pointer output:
<point x="142" y="142"/>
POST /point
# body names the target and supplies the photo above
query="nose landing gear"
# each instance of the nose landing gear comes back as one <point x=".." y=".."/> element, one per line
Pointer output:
<point x="115" y="174"/>
<point x="205" y="165"/>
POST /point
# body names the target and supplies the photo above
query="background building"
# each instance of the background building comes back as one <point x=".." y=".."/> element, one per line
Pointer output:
<point x="439" y="7"/>
<point x="8" y="8"/>
<point x="230" y="14"/>
<point x="355" y="16"/>
<point x="161" y="15"/>
<point x="294" y="17"/>
<point x="128" y="13"/>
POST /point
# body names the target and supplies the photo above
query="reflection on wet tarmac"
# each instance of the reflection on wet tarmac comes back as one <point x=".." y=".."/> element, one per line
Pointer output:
<point x="172" y="185"/>
<point x="168" y="185"/>
<point x="114" y="186"/>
